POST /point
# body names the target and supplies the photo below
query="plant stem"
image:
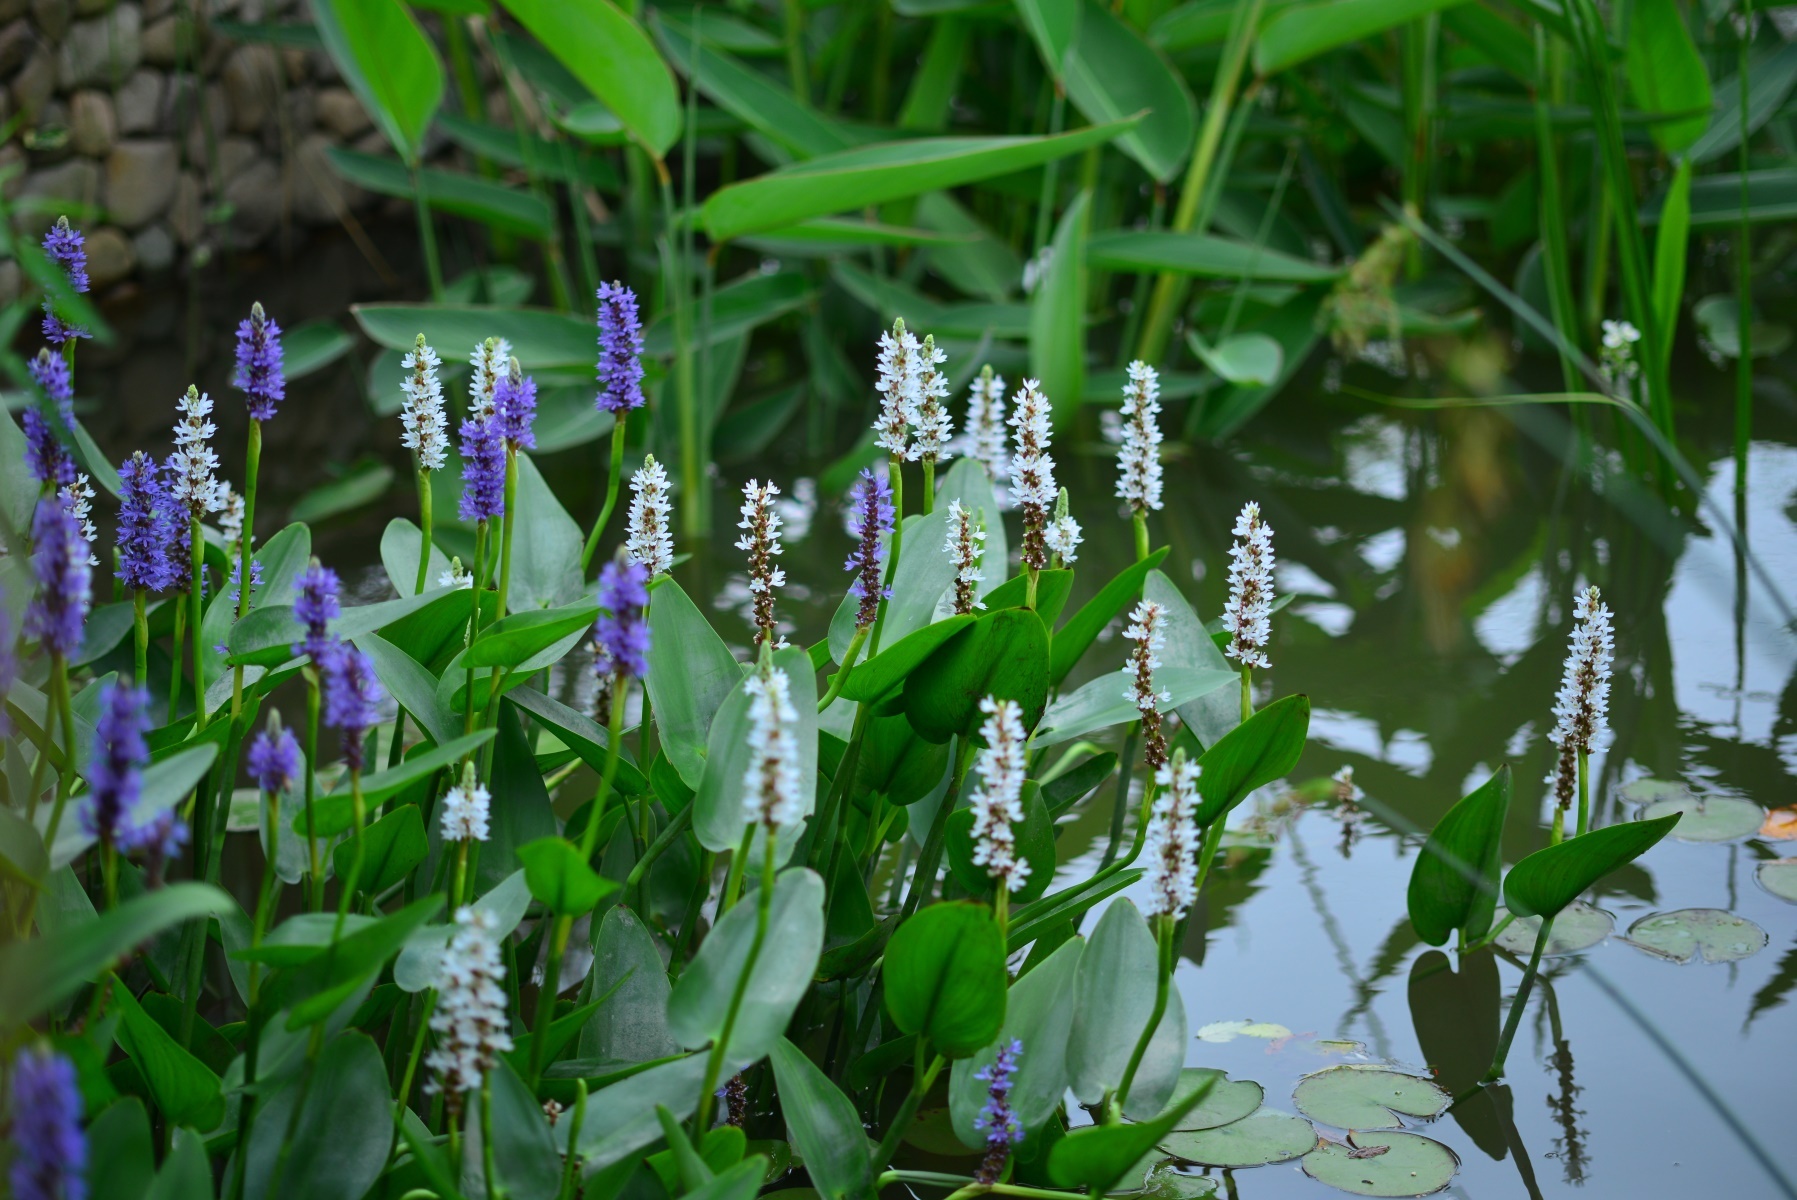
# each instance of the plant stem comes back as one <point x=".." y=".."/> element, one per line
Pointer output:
<point x="357" y="855"/>
<point x="427" y="235"/>
<point x="714" y="1065"/>
<point x="314" y="867"/>
<point x="1743" y="289"/>
<point x="929" y="486"/>
<point x="65" y="778"/>
<point x="572" y="1158"/>
<point x="252" y="467"/>
<point x="842" y="672"/>
<point x="539" y="1040"/>
<point x="923" y="880"/>
<point x="922" y="1079"/>
<point x="505" y="531"/>
<point x="197" y="618"/>
<point x="1247" y="692"/>
<point x="1057" y="119"/>
<point x="488" y="1172"/>
<point x="793" y="12"/>
<point x="424" y="528"/>
<point x="1519" y="1003"/>
<point x="174" y="675"/>
<point x="140" y="630"/>
<point x="611" y="492"/>
<point x="1164" y="948"/>
<point x="895" y="475"/>
<point x="1120" y="806"/>
<point x="1584" y="791"/>
<point x="1139" y="519"/>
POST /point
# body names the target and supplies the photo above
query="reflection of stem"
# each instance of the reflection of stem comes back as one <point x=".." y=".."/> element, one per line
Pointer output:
<point x="1519" y="1003"/>
<point x="1307" y="872"/>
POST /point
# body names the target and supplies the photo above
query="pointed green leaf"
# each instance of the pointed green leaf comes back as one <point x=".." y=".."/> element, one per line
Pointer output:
<point x="1113" y="1000"/>
<point x="1549" y="879"/>
<point x="388" y="62"/>
<point x="1454" y="883"/>
<point x="1038" y="1013"/>
<point x="945" y="977"/>
<point x="560" y="878"/>
<point x="690" y="673"/>
<point x="1083" y="627"/>
<point x="1111" y="72"/>
<point x="609" y="52"/>
<point x="1253" y="754"/>
<point x="826" y="1128"/>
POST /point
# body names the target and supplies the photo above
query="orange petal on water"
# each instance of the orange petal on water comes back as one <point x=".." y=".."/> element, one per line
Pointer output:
<point x="1780" y="824"/>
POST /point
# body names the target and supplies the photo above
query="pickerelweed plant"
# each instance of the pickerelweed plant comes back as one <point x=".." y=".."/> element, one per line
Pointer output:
<point x="716" y="922"/>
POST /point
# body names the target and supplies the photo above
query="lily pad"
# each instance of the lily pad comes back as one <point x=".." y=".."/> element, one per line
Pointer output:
<point x="1711" y="933"/>
<point x="1383" y="1164"/>
<point x="1354" y="1096"/>
<point x="1168" y="1182"/>
<point x="1709" y="818"/>
<point x="1579" y="926"/>
<point x="1229" y="1101"/>
<point x="1226" y="1031"/>
<point x="1265" y="1136"/>
<point x="1779" y="876"/>
<point x="1651" y="791"/>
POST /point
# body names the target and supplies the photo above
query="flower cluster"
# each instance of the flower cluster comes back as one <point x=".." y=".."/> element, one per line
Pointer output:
<point x="1147" y="630"/>
<point x="1171" y="847"/>
<point x="928" y="410"/>
<point x="352" y="695"/>
<point x="194" y="460"/>
<point x="483" y="468"/>
<point x="515" y="406"/>
<point x="966" y="547"/>
<point x="151" y="534"/>
<point x="998" y="802"/>
<point x="1032" y="472"/>
<point x="773" y="793"/>
<point x="621" y="635"/>
<point x="465" y="809"/>
<point x="51" y="373"/>
<point x="761" y="541"/>
<point x="115" y="774"/>
<point x="1004" y="1132"/>
<point x="273" y="759"/>
<point x="78" y="498"/>
<point x="1248" y="617"/>
<point x="66" y="248"/>
<point x="469" y="1020"/>
<point x="46" y="458"/>
<point x="1618" y="367"/>
<point x="315" y="606"/>
<point x="651" y="518"/>
<point x="1062" y="537"/>
<point x="426" y="426"/>
<point x="59" y="555"/>
<point x="899" y="366"/>
<point x="620" y="350"/>
<point x="50" y="1162"/>
<point x="259" y="373"/>
<point x="870" y="519"/>
<point x="984" y="436"/>
<point x="489" y="361"/>
<point x="1139" y="459"/>
<point x="1584" y="696"/>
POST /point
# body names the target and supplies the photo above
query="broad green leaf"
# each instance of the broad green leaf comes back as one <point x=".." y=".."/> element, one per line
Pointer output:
<point x="312" y="347"/>
<point x="719" y="813"/>
<point x="1225" y="1102"/>
<point x="1072" y="639"/>
<point x="1035" y="845"/>
<point x="557" y="160"/>
<point x="1454" y="883"/>
<point x="978" y="262"/>
<point x="392" y="846"/>
<point x="521" y="813"/>
<point x="782" y="974"/>
<point x="383" y="785"/>
<point x="540" y="339"/>
<point x="1003" y="654"/>
<point x="1549" y="879"/>
<point x="417" y="965"/>
<point x="1108" y="700"/>
<point x="1113" y="999"/>
<point x="1038" y="1013"/>
<point x="1671" y="241"/>
<point x="632" y="1026"/>
<point x="1769" y="84"/>
<point x="1052" y="25"/>
<point x="546" y="546"/>
<point x="1111" y="72"/>
<point x="344" y="1126"/>
<point x="1058" y="313"/>
<point x="388" y="62"/>
<point x="1204" y="255"/>
<point x="121" y="1158"/>
<point x="1261" y="749"/>
<point x="318" y="987"/>
<point x="515" y="640"/>
<point x="690" y="673"/>
<point x="523" y="1147"/>
<point x="1366" y="1096"/>
<point x="945" y="977"/>
<point x="266" y="636"/>
<point x="186" y="1173"/>
<point x="365" y="482"/>
<point x="1265" y="1136"/>
<point x="1666" y="74"/>
<point x="1400" y="1164"/>
<point x="1064" y="791"/>
<point x="185" y="1091"/>
<point x="621" y="1118"/>
<point x="1099" y="1156"/>
<point x="1712" y="934"/>
<point x="560" y="878"/>
<point x="609" y="52"/>
<point x="886" y="671"/>
<point x="1242" y="358"/>
<point x="1206" y="23"/>
<point x="36" y="976"/>
<point x="412" y="686"/>
<point x="503" y="208"/>
<point x="896" y="763"/>
<point x="583" y="736"/>
<point x="856" y="179"/>
<point x="1304" y="31"/>
<point x="825" y="1126"/>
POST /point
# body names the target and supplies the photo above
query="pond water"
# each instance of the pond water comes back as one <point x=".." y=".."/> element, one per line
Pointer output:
<point x="1433" y="558"/>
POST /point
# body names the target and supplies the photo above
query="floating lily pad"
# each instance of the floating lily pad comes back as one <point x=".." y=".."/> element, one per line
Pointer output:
<point x="1168" y="1182"/>
<point x="1651" y="791"/>
<point x="1709" y="818"/>
<point x="1578" y="927"/>
<point x="1230" y="1099"/>
<point x="1383" y="1164"/>
<point x="1779" y="876"/>
<point x="1712" y="933"/>
<point x="1367" y="1097"/>
<point x="1265" y="1136"/>
<point x="1225" y="1031"/>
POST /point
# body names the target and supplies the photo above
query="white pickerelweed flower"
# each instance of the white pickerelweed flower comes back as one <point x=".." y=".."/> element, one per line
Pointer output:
<point x="1139" y="458"/>
<point x="490" y="361"/>
<point x="773" y="784"/>
<point x="900" y="368"/>
<point x="933" y="428"/>
<point x="1618" y="365"/>
<point x="983" y="438"/>
<point x="78" y="499"/>
<point x="1584" y="697"/>
<point x="230" y="519"/>
<point x="1148" y="630"/>
<point x="966" y="548"/>
<point x="1248" y="615"/>
<point x="1063" y="534"/>
<point x="469" y="1020"/>
<point x="1346" y="790"/>
<point x="1037" y="268"/>
<point x="1032" y="471"/>
<point x="455" y="575"/>
<point x="466" y="808"/>
<point x="194" y="460"/>
<point x="426" y="427"/>
<point x="761" y="541"/>
<point x="998" y="802"/>
<point x="1171" y="848"/>
<point x="651" y="518"/>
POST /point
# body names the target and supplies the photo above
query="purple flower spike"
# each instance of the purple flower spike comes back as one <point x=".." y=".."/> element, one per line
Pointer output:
<point x="483" y="469"/>
<point x="870" y="517"/>
<point x="52" y="374"/>
<point x="156" y="841"/>
<point x="351" y="695"/>
<point x="115" y="776"/>
<point x="996" y="1120"/>
<point x="515" y="402"/>
<point x="259" y="375"/>
<point x="64" y="247"/>
<point x="620" y="350"/>
<point x="621" y="633"/>
<point x="149" y="528"/>
<point x="59" y="563"/>
<point x="274" y="760"/>
<point x="50" y="1162"/>
<point x="316" y="607"/>
<point x="45" y="456"/>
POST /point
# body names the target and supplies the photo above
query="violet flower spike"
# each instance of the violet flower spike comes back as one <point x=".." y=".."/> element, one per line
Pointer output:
<point x="50" y="1159"/>
<point x="146" y="528"/>
<point x="51" y="373"/>
<point x="157" y="841"/>
<point x="65" y="247"/>
<point x="259" y="372"/>
<point x="620" y="369"/>
<point x="621" y="635"/>
<point x="115" y="774"/>
<point x="315" y="606"/>
<point x="352" y="696"/>
<point x="58" y="609"/>
<point x="274" y="760"/>
<point x="997" y="1120"/>
<point x="515" y="402"/>
<point x="421" y="416"/>
<point x="483" y="469"/>
<point x="46" y="457"/>
<point x="870" y="519"/>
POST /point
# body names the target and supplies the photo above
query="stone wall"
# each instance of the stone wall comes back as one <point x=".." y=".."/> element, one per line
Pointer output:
<point x="165" y="140"/>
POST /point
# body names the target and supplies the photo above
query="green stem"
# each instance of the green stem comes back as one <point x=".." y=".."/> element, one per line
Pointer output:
<point x="1743" y="285"/>
<point x="405" y="1083"/>
<point x="1490" y="936"/>
<point x="1120" y="806"/>
<point x="488" y="1172"/>
<point x="794" y="14"/>
<point x="427" y="235"/>
<point x="174" y="675"/>
<point x="922" y="1079"/>
<point x="923" y="879"/>
<point x="589" y="837"/>
<point x="611" y="493"/>
<point x="357" y="855"/>
<point x="505" y="531"/>
<point x="657" y="848"/>
<point x="1139" y="519"/>
<point x="1164" y="944"/>
<point x="1247" y="692"/>
<point x="1584" y="791"/>
<point x="572" y="1159"/>
<point x="65" y="779"/>
<point x="140" y="629"/>
<point x="929" y="486"/>
<point x="314" y="867"/>
<point x="842" y="673"/>
<point x="1519" y="1003"/>
<point x="539" y="1041"/>
<point x="1045" y="203"/>
<point x="196" y="618"/>
<point x="714" y="1064"/>
<point x="895" y="476"/>
<point x="252" y="468"/>
<point x="480" y="583"/>
<point x="424" y="528"/>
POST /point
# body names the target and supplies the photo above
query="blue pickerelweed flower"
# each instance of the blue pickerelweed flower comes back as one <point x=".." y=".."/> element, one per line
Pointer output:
<point x="51" y="371"/>
<point x="621" y="633"/>
<point x="157" y="841"/>
<point x="65" y="249"/>
<point x="259" y="375"/>
<point x="236" y="574"/>
<point x="274" y="759"/>
<point x="50" y="1162"/>
<point x="515" y="402"/>
<point x="620" y="350"/>
<point x="315" y="607"/>
<point x="870" y="518"/>
<point x="115" y="775"/>
<point x="351" y="696"/>
<point x="59" y="564"/>
<point x="996" y="1120"/>
<point x="150" y="529"/>
<point x="46" y="457"/>
<point x="483" y="469"/>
